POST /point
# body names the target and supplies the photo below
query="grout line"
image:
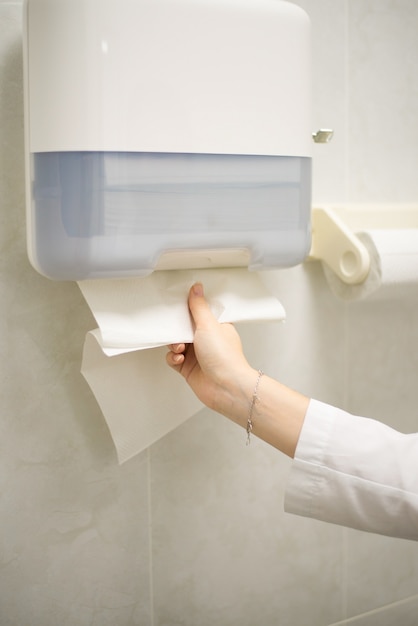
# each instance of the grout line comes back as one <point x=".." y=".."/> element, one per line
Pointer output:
<point x="344" y="574"/>
<point x="347" y="99"/>
<point x="346" y="356"/>
<point x="346" y="400"/>
<point x="381" y="609"/>
<point x="346" y="320"/>
<point x="150" y="538"/>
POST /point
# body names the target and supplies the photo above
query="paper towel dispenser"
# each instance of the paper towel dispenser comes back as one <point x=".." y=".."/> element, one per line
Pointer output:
<point x="166" y="134"/>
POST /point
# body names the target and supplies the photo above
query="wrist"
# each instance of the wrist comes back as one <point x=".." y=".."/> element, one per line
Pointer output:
<point x="276" y="411"/>
<point x="238" y="393"/>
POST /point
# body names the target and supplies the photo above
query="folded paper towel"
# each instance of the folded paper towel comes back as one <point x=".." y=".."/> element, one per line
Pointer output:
<point x="393" y="267"/>
<point x="141" y="398"/>
<point x="139" y="313"/>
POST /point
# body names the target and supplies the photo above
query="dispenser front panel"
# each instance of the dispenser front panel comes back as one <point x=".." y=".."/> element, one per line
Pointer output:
<point x="202" y="76"/>
<point x="114" y="214"/>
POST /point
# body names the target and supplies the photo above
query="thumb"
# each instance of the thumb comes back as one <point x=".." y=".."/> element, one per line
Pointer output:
<point x="199" y="307"/>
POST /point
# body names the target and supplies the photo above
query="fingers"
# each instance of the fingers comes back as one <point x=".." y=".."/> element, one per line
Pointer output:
<point x="177" y="348"/>
<point x="203" y="319"/>
<point x="177" y="355"/>
<point x="174" y="360"/>
<point x="199" y="307"/>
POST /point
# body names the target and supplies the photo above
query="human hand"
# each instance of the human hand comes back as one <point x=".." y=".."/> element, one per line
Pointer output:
<point x="214" y="365"/>
<point x="217" y="371"/>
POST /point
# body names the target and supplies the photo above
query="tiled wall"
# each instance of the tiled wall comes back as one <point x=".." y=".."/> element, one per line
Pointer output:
<point x="192" y="531"/>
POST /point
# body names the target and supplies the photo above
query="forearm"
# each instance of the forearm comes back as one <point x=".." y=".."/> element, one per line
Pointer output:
<point x="278" y="412"/>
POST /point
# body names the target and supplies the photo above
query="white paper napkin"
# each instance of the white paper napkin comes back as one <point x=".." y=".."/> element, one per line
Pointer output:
<point x="141" y="398"/>
<point x="139" y="313"/>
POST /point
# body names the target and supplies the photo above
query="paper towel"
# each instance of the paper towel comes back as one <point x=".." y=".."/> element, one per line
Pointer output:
<point x="141" y="398"/>
<point x="393" y="267"/>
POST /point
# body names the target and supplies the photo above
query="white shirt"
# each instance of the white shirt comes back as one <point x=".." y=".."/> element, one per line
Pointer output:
<point x="356" y="472"/>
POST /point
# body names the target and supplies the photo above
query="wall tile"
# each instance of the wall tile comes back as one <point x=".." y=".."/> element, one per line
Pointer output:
<point x="380" y="570"/>
<point x="382" y="366"/>
<point x="310" y="342"/>
<point x="223" y="551"/>
<point x="74" y="541"/>
<point x="383" y="361"/>
<point x="383" y="98"/>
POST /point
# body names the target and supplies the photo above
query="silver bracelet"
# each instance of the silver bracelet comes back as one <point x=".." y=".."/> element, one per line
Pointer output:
<point x="254" y="399"/>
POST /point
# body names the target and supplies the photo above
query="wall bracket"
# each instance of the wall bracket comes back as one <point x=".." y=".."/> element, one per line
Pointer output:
<point x="334" y="239"/>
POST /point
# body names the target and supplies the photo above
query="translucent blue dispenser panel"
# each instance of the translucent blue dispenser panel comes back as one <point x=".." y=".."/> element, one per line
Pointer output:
<point x="114" y="214"/>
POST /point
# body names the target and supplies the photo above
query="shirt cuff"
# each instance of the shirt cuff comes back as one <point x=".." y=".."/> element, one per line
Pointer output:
<point x="306" y="478"/>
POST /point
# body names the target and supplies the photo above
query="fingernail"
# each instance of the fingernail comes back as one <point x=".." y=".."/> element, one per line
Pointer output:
<point x="198" y="289"/>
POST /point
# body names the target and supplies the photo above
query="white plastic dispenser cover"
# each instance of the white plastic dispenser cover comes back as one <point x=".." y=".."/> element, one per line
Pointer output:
<point x="166" y="134"/>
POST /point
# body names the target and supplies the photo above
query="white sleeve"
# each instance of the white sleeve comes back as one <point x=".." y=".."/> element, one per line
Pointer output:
<point x="356" y="472"/>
